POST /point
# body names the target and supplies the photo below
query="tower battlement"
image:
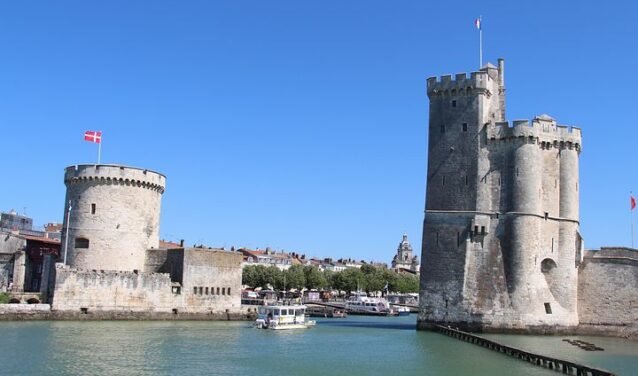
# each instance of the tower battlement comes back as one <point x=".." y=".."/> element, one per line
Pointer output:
<point x="460" y="85"/>
<point x="541" y="129"/>
<point x="115" y="175"/>
<point x="488" y="78"/>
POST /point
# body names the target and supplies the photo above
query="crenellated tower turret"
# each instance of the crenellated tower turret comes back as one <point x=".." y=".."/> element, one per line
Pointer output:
<point x="500" y="236"/>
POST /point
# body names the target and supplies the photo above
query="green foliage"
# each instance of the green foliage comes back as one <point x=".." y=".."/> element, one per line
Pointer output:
<point x="368" y="278"/>
<point x="4" y="298"/>
<point x="315" y="279"/>
<point x="406" y="283"/>
<point x="295" y="277"/>
<point x="273" y="277"/>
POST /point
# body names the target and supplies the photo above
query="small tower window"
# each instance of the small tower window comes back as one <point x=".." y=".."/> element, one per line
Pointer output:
<point x="92" y="208"/>
<point x="442" y="128"/>
<point x="454" y="103"/>
<point x="464" y="127"/>
<point x="548" y="308"/>
<point x="81" y="243"/>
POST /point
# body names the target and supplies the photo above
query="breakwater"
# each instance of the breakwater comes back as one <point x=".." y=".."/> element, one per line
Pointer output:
<point x="559" y="365"/>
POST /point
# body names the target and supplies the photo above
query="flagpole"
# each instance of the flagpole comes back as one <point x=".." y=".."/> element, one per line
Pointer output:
<point x="99" y="149"/>
<point x="631" y="214"/>
<point x="480" y="42"/>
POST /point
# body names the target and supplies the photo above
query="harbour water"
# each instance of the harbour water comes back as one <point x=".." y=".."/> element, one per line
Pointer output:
<point x="357" y="345"/>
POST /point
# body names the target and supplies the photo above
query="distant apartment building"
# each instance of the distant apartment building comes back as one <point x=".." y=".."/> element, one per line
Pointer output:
<point x="266" y="257"/>
<point x="14" y="222"/>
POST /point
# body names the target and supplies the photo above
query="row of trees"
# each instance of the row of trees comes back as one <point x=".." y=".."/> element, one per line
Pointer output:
<point x="368" y="278"/>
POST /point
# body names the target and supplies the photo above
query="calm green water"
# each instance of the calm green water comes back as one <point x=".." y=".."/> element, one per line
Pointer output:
<point x="352" y="346"/>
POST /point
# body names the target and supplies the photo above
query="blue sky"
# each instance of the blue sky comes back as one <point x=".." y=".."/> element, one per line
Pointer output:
<point x="300" y="125"/>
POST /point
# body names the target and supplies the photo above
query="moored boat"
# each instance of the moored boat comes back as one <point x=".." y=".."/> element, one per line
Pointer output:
<point x="280" y="317"/>
<point x="327" y="312"/>
<point x="402" y="311"/>
<point x="360" y="304"/>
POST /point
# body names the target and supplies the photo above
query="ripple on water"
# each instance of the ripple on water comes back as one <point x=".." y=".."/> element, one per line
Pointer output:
<point x="353" y="346"/>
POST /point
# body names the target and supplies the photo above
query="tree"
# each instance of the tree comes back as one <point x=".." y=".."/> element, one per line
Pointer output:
<point x="406" y="283"/>
<point x="351" y="279"/>
<point x="295" y="277"/>
<point x="253" y="276"/>
<point x="273" y="277"/>
<point x="314" y="278"/>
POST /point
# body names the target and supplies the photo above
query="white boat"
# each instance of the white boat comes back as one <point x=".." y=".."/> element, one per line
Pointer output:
<point x="403" y="311"/>
<point x="279" y="317"/>
<point x="361" y="304"/>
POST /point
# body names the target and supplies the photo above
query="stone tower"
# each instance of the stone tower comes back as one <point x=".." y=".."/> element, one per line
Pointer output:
<point x="404" y="258"/>
<point x="114" y="217"/>
<point x="500" y="238"/>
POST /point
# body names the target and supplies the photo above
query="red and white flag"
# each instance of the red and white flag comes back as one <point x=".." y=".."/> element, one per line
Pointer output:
<point x="93" y="136"/>
<point x="632" y="201"/>
<point x="477" y="22"/>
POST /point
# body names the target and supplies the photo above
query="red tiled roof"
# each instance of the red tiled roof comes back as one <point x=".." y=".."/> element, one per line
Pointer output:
<point x="169" y="245"/>
<point x="41" y="239"/>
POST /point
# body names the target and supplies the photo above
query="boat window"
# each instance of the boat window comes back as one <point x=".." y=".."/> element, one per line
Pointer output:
<point x="261" y="310"/>
<point x="276" y="312"/>
<point x="284" y="312"/>
<point x="300" y="312"/>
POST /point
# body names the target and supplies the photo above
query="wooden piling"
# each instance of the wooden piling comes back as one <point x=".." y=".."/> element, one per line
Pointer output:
<point x="548" y="362"/>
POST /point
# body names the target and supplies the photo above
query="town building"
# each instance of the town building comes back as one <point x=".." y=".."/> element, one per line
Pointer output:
<point x="267" y="257"/>
<point x="12" y="221"/>
<point x="404" y="261"/>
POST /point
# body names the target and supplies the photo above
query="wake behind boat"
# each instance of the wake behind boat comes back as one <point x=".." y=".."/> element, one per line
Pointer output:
<point x="281" y="316"/>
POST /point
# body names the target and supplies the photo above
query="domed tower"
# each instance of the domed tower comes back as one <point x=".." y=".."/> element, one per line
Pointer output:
<point x="114" y="216"/>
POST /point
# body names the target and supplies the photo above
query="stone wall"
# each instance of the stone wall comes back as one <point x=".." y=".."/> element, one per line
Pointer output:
<point x="9" y="245"/>
<point x="114" y="218"/>
<point x="607" y="287"/>
<point x="212" y="279"/>
<point x="191" y="280"/>
<point x="500" y="237"/>
<point x="113" y="291"/>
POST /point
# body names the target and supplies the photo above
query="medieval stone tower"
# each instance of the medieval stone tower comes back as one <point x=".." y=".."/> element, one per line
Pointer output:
<point x="114" y="217"/>
<point x="501" y="244"/>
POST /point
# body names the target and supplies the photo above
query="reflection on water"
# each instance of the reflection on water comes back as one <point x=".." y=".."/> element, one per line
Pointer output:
<point x="353" y="346"/>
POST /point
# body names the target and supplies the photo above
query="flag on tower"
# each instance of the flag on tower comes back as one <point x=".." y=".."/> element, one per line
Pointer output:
<point x="93" y="136"/>
<point x="477" y="22"/>
<point x="632" y="201"/>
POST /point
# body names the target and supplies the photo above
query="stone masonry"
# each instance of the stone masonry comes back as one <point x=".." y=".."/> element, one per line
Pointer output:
<point x="114" y="266"/>
<point x="114" y="217"/>
<point x="501" y="244"/>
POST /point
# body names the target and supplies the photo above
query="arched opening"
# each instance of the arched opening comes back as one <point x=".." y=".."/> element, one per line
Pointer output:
<point x="552" y="277"/>
<point x="547" y="266"/>
<point x="14" y="301"/>
<point x="81" y="243"/>
<point x="33" y="301"/>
